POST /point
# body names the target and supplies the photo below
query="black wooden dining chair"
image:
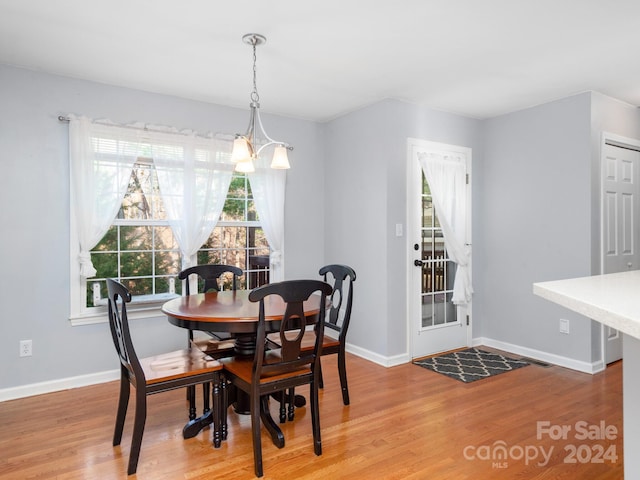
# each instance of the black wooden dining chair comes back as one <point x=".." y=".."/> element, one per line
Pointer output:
<point x="209" y="275"/>
<point x="155" y="374"/>
<point x="277" y="370"/>
<point x="216" y="344"/>
<point x="337" y="319"/>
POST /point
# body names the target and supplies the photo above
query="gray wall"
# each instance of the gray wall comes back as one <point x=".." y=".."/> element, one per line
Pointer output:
<point x="366" y="159"/>
<point x="34" y="195"/>
<point x="541" y="219"/>
<point x="536" y="224"/>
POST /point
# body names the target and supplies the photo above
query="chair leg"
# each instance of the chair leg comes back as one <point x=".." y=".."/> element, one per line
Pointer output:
<point x="224" y="406"/>
<point x="292" y="401"/>
<point x="342" y="371"/>
<point x="315" y="418"/>
<point x="217" y="411"/>
<point x="123" y="402"/>
<point x="191" y="396"/>
<point x="283" y="409"/>
<point x="138" y="429"/>
<point x="205" y="396"/>
<point x="189" y="389"/>
<point x="320" y="381"/>
<point x="255" y="431"/>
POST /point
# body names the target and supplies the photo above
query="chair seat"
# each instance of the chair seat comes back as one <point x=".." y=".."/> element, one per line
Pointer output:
<point x="242" y="367"/>
<point x="221" y="336"/>
<point x="178" y="364"/>
<point x="212" y="347"/>
<point x="308" y="341"/>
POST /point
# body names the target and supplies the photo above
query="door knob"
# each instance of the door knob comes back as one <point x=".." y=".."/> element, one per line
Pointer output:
<point x="418" y="263"/>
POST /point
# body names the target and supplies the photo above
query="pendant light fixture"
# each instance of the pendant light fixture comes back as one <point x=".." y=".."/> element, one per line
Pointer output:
<point x="248" y="147"/>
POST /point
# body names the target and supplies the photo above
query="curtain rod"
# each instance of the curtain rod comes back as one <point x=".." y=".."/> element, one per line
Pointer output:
<point x="219" y="136"/>
<point x="62" y="118"/>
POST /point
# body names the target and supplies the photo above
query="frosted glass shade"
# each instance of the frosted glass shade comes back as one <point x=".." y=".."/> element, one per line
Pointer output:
<point x="245" y="166"/>
<point x="280" y="158"/>
<point x="240" y="152"/>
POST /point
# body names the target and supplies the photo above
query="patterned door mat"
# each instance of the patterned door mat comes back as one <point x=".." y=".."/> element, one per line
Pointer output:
<point x="471" y="364"/>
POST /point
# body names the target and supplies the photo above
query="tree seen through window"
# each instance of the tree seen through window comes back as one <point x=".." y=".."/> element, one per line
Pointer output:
<point x="141" y="250"/>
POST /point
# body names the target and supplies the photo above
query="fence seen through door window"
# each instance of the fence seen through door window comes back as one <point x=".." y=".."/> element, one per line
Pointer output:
<point x="438" y="270"/>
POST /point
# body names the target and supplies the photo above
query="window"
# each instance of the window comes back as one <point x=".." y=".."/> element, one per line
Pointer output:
<point x="141" y="251"/>
<point x="145" y="202"/>
<point x="139" y="248"/>
<point x="238" y="238"/>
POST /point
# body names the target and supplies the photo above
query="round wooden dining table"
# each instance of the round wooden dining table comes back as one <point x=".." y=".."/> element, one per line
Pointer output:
<point x="231" y="311"/>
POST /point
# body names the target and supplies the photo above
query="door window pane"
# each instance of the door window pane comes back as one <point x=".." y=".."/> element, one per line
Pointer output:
<point x="438" y="271"/>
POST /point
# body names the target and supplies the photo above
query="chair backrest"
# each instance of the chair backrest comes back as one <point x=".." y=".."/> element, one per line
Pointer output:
<point x="292" y="327"/>
<point x="337" y="318"/>
<point x="210" y="274"/>
<point x="119" y="296"/>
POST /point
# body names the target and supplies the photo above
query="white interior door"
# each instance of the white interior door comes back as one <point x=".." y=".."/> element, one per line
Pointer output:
<point x="435" y="323"/>
<point x="620" y="196"/>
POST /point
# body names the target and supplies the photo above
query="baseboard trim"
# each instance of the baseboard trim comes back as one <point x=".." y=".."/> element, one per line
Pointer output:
<point x="23" y="391"/>
<point x="585" y="367"/>
<point x="376" y="358"/>
<point x="32" y="389"/>
<point x="51" y="386"/>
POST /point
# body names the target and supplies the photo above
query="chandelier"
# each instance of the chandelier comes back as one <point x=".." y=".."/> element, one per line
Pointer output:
<point x="247" y="147"/>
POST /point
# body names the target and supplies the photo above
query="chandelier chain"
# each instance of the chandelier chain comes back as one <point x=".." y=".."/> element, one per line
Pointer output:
<point x="254" y="94"/>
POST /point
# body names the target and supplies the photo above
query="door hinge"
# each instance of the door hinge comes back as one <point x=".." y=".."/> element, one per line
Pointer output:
<point x="467" y="178"/>
<point x="467" y="320"/>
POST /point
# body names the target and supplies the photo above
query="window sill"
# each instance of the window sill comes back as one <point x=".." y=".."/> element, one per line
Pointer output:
<point x="143" y="306"/>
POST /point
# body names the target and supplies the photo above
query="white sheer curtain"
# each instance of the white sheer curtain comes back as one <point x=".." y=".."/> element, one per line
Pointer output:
<point x="446" y="176"/>
<point x="268" y="187"/>
<point x="194" y="174"/>
<point x="101" y="159"/>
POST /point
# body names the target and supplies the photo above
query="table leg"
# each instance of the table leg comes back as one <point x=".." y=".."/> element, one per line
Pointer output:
<point x="276" y="434"/>
<point x="193" y="427"/>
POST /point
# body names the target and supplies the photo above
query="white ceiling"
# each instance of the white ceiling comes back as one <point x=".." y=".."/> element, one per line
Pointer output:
<point x="478" y="58"/>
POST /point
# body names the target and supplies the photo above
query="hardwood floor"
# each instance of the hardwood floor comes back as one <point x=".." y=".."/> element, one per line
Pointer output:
<point x="404" y="422"/>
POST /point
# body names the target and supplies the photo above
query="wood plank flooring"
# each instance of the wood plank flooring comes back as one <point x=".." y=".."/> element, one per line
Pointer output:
<point x="404" y="422"/>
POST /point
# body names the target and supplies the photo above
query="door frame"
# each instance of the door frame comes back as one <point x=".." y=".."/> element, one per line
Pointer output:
<point x="415" y="145"/>
<point x="623" y="142"/>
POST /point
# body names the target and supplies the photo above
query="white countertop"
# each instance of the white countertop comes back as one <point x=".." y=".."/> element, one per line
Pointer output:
<point x="612" y="299"/>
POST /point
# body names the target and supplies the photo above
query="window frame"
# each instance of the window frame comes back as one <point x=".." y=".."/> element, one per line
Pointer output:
<point x="139" y="308"/>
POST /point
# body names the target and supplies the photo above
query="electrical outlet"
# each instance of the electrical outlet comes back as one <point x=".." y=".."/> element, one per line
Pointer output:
<point x="26" y="348"/>
<point x="564" y="325"/>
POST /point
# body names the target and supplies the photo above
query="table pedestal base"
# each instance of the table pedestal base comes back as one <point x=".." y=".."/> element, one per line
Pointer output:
<point x="245" y="345"/>
<point x="240" y="401"/>
<point x="194" y="426"/>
